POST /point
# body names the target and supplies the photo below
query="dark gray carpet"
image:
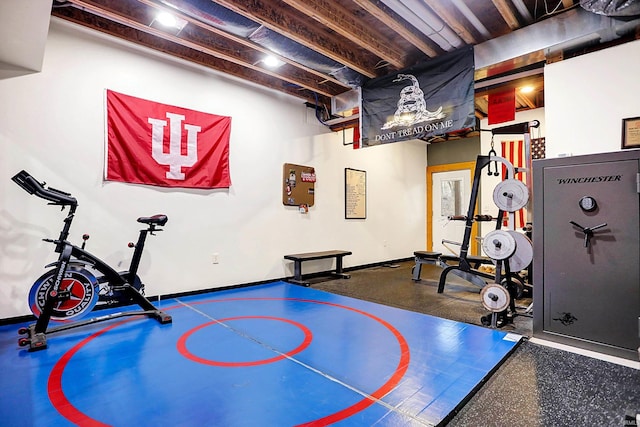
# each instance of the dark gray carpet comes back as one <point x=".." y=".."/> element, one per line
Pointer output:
<point x="536" y="386"/>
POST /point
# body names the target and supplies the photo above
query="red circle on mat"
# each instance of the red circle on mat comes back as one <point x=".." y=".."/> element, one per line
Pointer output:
<point x="70" y="412"/>
<point x="182" y="343"/>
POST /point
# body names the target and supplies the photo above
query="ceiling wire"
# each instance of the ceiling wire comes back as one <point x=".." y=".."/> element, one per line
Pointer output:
<point x="546" y="8"/>
<point x="553" y="12"/>
<point x="381" y="64"/>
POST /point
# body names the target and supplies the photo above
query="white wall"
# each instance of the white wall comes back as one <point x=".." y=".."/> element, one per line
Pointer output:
<point x="587" y="97"/>
<point x="52" y="125"/>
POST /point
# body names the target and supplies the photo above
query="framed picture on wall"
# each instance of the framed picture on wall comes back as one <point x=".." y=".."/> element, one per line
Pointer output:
<point x="631" y="133"/>
<point x="355" y="194"/>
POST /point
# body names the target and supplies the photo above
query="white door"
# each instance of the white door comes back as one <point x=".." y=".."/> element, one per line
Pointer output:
<point x="451" y="193"/>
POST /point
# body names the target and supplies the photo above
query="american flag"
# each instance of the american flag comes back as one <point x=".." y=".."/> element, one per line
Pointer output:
<point x="513" y="151"/>
<point x="538" y="148"/>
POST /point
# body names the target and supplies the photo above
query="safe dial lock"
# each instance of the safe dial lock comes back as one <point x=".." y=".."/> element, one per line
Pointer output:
<point x="588" y="204"/>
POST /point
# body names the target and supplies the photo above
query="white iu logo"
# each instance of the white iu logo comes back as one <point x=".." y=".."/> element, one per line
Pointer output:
<point x="174" y="158"/>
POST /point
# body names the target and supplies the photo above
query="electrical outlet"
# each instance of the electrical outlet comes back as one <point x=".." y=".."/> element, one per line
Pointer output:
<point x="215" y="258"/>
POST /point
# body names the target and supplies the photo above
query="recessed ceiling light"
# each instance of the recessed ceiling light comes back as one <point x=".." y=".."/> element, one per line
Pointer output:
<point x="167" y="19"/>
<point x="168" y="22"/>
<point x="272" y="62"/>
<point x="526" y="89"/>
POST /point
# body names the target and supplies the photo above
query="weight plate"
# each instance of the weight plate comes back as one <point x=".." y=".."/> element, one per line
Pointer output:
<point x="495" y="298"/>
<point x="499" y="244"/>
<point x="518" y="286"/>
<point x="511" y="195"/>
<point x="523" y="254"/>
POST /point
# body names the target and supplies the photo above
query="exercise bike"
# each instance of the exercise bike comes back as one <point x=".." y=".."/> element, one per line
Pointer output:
<point x="79" y="280"/>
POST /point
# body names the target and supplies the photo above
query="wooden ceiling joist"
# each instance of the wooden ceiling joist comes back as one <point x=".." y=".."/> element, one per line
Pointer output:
<point x="293" y="25"/>
<point x="348" y="41"/>
<point x="188" y="51"/>
<point x="507" y="13"/>
<point x="333" y="16"/>
<point x="401" y="29"/>
<point x="449" y="19"/>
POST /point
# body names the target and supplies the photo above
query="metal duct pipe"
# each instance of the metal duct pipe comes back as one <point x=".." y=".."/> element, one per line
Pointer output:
<point x="473" y="19"/>
<point x="420" y="17"/>
<point x="522" y="9"/>
<point x="568" y="30"/>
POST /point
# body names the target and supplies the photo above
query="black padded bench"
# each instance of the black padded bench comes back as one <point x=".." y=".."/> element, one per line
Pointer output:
<point x="298" y="259"/>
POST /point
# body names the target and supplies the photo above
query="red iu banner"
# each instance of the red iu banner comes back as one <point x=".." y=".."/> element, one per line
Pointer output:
<point x="159" y="144"/>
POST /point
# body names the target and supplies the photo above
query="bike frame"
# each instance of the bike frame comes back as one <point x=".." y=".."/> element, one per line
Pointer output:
<point x="71" y="254"/>
<point x="122" y="282"/>
<point x="85" y="257"/>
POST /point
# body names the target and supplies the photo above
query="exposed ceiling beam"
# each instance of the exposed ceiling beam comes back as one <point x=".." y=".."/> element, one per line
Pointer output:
<point x="524" y="100"/>
<point x="321" y="77"/>
<point x="344" y="23"/>
<point x="406" y="33"/>
<point x="126" y="28"/>
<point x="288" y="22"/>
<point x="482" y="106"/>
<point x="444" y="14"/>
<point x="232" y="55"/>
<point x="507" y="14"/>
<point x="328" y="46"/>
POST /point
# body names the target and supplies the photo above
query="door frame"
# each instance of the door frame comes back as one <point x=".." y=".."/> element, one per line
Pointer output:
<point x="473" y="242"/>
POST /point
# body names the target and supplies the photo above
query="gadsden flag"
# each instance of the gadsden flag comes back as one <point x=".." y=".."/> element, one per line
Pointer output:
<point x="432" y="98"/>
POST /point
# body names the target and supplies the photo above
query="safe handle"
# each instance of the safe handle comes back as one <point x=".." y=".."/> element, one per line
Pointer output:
<point x="588" y="231"/>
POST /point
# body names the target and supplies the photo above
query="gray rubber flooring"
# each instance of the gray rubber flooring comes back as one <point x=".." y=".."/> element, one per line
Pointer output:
<point x="536" y="386"/>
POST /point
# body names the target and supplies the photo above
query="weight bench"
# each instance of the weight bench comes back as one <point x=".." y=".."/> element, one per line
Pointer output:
<point x="423" y="257"/>
<point x="466" y="268"/>
<point x="474" y="261"/>
<point x="298" y="259"/>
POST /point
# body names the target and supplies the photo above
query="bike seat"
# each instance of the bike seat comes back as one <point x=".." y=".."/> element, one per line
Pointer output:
<point x="156" y="219"/>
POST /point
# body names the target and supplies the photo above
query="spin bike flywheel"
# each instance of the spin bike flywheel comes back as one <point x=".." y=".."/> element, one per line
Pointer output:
<point x="82" y="286"/>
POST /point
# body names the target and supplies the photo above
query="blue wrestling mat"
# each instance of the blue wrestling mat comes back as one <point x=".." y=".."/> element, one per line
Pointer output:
<point x="268" y="355"/>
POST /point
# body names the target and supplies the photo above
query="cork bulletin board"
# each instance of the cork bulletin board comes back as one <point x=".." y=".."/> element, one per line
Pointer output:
<point x="298" y="185"/>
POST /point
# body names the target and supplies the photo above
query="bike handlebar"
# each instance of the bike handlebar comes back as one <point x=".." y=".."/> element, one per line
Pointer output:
<point x="32" y="186"/>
